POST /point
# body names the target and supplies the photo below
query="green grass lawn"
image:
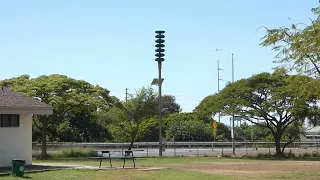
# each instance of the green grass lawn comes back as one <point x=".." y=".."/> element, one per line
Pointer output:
<point x="143" y="162"/>
<point x="172" y="168"/>
<point x="168" y="174"/>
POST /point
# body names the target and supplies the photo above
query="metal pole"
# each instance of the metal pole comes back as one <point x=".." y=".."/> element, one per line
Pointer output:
<point x="160" y="124"/>
<point x="251" y="132"/>
<point x="174" y="147"/>
<point x="212" y="145"/>
<point x="218" y="86"/>
<point x="147" y="148"/>
<point x="233" y="142"/>
<point x="317" y="147"/>
<point x="198" y="148"/>
<point x="246" y="147"/>
<point x="222" y="149"/>
<point x="232" y="69"/>
<point x="218" y="76"/>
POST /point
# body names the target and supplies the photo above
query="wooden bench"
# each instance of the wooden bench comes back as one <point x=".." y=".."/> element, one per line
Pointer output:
<point x="127" y="152"/>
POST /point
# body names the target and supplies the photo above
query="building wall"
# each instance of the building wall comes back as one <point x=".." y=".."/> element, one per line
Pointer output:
<point x="16" y="142"/>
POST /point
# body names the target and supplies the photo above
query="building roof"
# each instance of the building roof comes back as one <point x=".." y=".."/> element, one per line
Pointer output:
<point x="315" y="129"/>
<point x="14" y="100"/>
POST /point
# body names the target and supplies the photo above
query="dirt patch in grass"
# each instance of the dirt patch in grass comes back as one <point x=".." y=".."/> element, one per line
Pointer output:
<point x="256" y="169"/>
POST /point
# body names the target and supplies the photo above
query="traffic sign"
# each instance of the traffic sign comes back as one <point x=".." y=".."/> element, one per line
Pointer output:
<point x="214" y="132"/>
<point x="214" y="124"/>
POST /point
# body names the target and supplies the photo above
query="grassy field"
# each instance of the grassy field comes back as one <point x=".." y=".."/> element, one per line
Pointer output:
<point x="187" y="168"/>
<point x="122" y="175"/>
<point x="142" y="162"/>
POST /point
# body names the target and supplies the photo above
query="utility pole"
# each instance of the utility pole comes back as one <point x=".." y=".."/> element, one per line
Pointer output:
<point x="126" y="94"/>
<point x="219" y="85"/>
<point x="251" y="132"/>
<point x="232" y="127"/>
<point x="233" y="142"/>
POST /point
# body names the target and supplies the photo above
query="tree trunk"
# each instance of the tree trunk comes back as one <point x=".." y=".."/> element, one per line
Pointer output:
<point x="133" y="137"/>
<point x="131" y="144"/>
<point x="44" y="154"/>
<point x="278" y="146"/>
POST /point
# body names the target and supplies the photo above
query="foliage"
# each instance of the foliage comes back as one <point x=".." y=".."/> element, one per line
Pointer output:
<point x="190" y="130"/>
<point x="278" y="99"/>
<point x="298" y="46"/>
<point x="189" y="127"/>
<point x="129" y="116"/>
<point x="253" y="132"/>
<point x="137" y="118"/>
<point x="69" y="153"/>
<point x="169" y="105"/>
<point x="75" y="153"/>
<point x="83" y="127"/>
<point x="75" y="104"/>
<point x="149" y="130"/>
<point x="223" y="132"/>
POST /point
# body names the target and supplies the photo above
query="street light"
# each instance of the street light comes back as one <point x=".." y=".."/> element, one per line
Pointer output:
<point x="219" y="69"/>
<point x="232" y="130"/>
<point x="159" y="58"/>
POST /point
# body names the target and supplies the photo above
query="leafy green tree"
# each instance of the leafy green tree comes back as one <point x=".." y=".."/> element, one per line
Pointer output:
<point x="138" y="116"/>
<point x="189" y="130"/>
<point x="136" y="109"/>
<point x="69" y="98"/>
<point x="254" y="132"/>
<point x="278" y="99"/>
<point x="169" y="105"/>
<point x="223" y="132"/>
<point x="190" y="127"/>
<point x="149" y="129"/>
<point x="298" y="46"/>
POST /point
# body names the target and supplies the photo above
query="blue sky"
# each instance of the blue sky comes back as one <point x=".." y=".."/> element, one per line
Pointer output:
<point x="111" y="43"/>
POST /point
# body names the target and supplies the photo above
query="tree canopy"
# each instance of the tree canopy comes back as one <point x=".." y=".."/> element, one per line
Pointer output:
<point x="298" y="46"/>
<point x="75" y="103"/>
<point x="169" y="105"/>
<point x="281" y="101"/>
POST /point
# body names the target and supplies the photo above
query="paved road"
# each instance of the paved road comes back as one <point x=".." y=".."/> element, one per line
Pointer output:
<point x="208" y="151"/>
<point x="214" y="152"/>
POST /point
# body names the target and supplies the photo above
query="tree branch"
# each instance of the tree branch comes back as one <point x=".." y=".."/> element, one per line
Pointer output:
<point x="287" y="119"/>
<point x="286" y="144"/>
<point x="271" y="129"/>
<point x="287" y="124"/>
<point x="314" y="64"/>
<point x="248" y="119"/>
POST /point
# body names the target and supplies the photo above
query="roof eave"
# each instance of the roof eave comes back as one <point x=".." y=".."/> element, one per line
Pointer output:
<point x="26" y="110"/>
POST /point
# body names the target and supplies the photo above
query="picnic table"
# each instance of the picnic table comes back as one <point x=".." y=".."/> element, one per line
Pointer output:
<point x="125" y="154"/>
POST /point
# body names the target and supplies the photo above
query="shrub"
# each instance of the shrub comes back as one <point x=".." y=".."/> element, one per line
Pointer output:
<point x="226" y="155"/>
<point x="306" y="154"/>
<point x="70" y="153"/>
<point x="289" y="154"/>
<point x="76" y="153"/>
<point x="264" y="155"/>
<point x="315" y="154"/>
